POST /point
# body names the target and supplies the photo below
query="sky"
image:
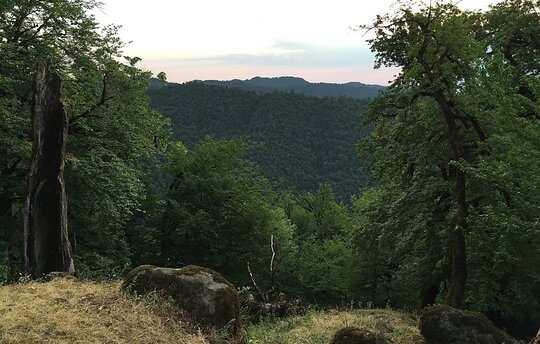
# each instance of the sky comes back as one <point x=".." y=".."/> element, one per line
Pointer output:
<point x="240" y="39"/>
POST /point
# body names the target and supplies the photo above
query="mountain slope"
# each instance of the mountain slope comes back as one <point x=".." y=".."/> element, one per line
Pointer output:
<point x="352" y="89"/>
<point x="301" y="140"/>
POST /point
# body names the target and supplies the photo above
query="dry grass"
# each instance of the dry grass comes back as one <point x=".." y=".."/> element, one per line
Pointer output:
<point x="69" y="311"/>
<point x="316" y="328"/>
<point x="75" y="312"/>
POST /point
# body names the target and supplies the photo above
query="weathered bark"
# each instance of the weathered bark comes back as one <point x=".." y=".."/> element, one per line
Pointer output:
<point x="456" y="292"/>
<point x="428" y="295"/>
<point x="46" y="245"/>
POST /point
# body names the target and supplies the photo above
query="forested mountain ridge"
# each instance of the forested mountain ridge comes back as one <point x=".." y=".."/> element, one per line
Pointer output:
<point x="451" y="214"/>
<point x="303" y="140"/>
<point x="295" y="84"/>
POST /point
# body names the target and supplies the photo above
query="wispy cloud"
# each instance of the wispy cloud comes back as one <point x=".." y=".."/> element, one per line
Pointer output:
<point x="316" y="63"/>
<point x="297" y="54"/>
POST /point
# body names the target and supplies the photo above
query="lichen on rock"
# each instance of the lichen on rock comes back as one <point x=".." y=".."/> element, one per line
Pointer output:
<point x="442" y="324"/>
<point x="201" y="292"/>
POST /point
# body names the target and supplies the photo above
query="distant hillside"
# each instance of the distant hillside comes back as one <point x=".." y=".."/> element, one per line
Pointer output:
<point x="302" y="140"/>
<point x="293" y="84"/>
<point x="287" y="83"/>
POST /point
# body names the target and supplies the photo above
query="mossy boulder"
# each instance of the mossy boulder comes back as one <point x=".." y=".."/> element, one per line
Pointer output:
<point x="202" y="293"/>
<point x="443" y="324"/>
<point x="356" y="335"/>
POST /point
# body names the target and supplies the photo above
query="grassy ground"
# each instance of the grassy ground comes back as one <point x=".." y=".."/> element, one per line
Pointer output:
<point x="70" y="311"/>
<point x="320" y="327"/>
<point x="66" y="311"/>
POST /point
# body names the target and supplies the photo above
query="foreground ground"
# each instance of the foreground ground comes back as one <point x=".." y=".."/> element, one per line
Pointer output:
<point x="67" y="311"/>
<point x="320" y="327"/>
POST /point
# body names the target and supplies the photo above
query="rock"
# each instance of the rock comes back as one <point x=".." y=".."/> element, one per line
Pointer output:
<point x="356" y="335"/>
<point x="443" y="324"/>
<point x="202" y="293"/>
<point x="536" y="340"/>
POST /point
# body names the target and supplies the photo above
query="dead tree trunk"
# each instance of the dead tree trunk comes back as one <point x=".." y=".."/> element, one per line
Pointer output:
<point x="46" y="246"/>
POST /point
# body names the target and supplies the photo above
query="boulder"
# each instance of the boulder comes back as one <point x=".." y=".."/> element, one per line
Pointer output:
<point x="443" y="324"/>
<point x="356" y="335"/>
<point x="202" y="293"/>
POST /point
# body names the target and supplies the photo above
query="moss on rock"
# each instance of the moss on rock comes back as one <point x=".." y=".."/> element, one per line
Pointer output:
<point x="201" y="292"/>
<point x="442" y="324"/>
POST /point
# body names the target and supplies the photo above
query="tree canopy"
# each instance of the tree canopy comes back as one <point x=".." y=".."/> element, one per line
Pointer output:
<point x="454" y="151"/>
<point x="111" y="127"/>
<point x="451" y="212"/>
<point x="301" y="141"/>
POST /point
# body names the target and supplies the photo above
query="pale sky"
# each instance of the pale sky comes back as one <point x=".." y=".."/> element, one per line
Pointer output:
<point x="240" y="39"/>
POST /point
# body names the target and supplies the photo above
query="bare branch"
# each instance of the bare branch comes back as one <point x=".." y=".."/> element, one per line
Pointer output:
<point x="102" y="101"/>
<point x="257" y="289"/>
<point x="272" y="267"/>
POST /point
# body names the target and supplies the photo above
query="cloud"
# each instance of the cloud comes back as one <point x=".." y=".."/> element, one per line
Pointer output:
<point x="316" y="63"/>
<point x="289" y="53"/>
<point x="181" y="71"/>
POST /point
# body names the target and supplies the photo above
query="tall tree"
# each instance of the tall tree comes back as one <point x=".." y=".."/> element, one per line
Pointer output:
<point x="448" y="59"/>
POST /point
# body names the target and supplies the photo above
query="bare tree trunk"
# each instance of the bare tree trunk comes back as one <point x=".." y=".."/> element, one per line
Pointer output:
<point x="46" y="246"/>
<point x="273" y="285"/>
<point x="456" y="292"/>
<point x="428" y="295"/>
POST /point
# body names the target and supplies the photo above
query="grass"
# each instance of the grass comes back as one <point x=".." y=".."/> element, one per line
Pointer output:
<point x="320" y="327"/>
<point x="71" y="311"/>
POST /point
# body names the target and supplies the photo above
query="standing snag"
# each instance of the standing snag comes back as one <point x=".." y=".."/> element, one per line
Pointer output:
<point x="46" y="245"/>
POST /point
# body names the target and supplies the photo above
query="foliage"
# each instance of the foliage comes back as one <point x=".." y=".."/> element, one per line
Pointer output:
<point x="453" y="149"/>
<point x="322" y="270"/>
<point x="111" y="127"/>
<point x="217" y="212"/>
<point x="299" y="85"/>
<point x="301" y="141"/>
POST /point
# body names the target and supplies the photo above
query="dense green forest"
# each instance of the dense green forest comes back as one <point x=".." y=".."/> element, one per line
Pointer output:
<point x="450" y="214"/>
<point x="299" y="140"/>
<point x="320" y="89"/>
